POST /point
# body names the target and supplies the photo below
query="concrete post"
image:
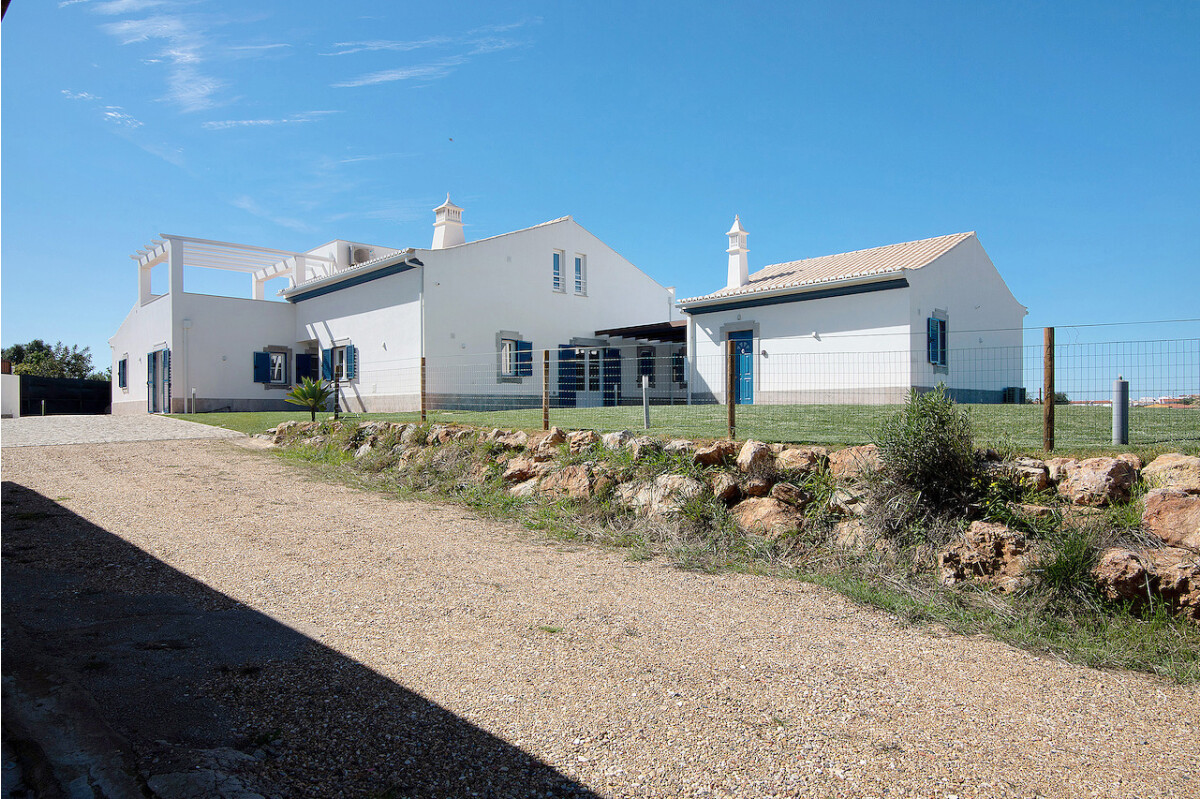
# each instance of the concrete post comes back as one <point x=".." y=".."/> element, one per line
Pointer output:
<point x="646" y="401"/>
<point x="175" y="267"/>
<point x="1120" y="411"/>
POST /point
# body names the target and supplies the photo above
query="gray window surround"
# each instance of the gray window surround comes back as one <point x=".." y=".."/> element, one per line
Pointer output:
<point x="501" y="377"/>
<point x="287" y="366"/>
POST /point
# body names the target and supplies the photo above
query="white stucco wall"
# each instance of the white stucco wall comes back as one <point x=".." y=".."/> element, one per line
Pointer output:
<point x="10" y="396"/>
<point x="983" y="323"/>
<point x="382" y="319"/>
<point x="147" y="328"/>
<point x="215" y="355"/>
<point x="859" y="353"/>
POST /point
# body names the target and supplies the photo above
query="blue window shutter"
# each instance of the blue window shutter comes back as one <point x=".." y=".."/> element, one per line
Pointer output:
<point x="524" y="358"/>
<point x="943" y="360"/>
<point x="351" y="362"/>
<point x="932" y="329"/>
<point x="262" y="367"/>
<point x="326" y="364"/>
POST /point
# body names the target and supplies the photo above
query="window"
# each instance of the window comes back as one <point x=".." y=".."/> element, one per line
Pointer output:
<point x="123" y="373"/>
<point x="679" y="369"/>
<point x="271" y="367"/>
<point x="646" y="363"/>
<point x="580" y="274"/>
<point x="938" y="350"/>
<point x="340" y="363"/>
<point x="559" y="257"/>
<point x="508" y="357"/>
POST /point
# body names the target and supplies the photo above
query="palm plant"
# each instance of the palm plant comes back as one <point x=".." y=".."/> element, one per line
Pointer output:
<point x="312" y="394"/>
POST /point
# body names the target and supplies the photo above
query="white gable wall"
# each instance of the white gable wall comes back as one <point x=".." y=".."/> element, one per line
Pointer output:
<point x="147" y="327"/>
<point x="983" y="324"/>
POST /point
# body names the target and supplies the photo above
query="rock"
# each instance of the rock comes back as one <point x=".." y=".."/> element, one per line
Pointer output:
<point x="725" y="487"/>
<point x="1056" y="468"/>
<point x="756" y="458"/>
<point x="848" y="501"/>
<point x="479" y="472"/>
<point x="515" y="440"/>
<point x="714" y="454"/>
<point x="1039" y="512"/>
<point x="1173" y="470"/>
<point x="435" y="431"/>
<point x="617" y="440"/>
<point x="663" y="496"/>
<point x="766" y="516"/>
<point x="518" y="470"/>
<point x="796" y="459"/>
<point x="757" y="486"/>
<point x="1031" y="473"/>
<point x="791" y="494"/>
<point x="582" y="481"/>
<point x="850" y="534"/>
<point x="1174" y="516"/>
<point x="1132" y="460"/>
<point x="580" y="440"/>
<point x="366" y="447"/>
<point x="1171" y="573"/>
<point x="284" y="430"/>
<point x="1098" y="481"/>
<point x="411" y="435"/>
<point x="545" y="445"/>
<point x="850" y="463"/>
<point x="990" y="553"/>
<point x="1080" y="517"/>
<point x="527" y="488"/>
<point x="644" y="447"/>
<point x="679" y="446"/>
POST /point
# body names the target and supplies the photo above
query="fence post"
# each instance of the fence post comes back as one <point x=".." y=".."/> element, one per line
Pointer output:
<point x="423" y="388"/>
<point x="646" y="401"/>
<point x="730" y="388"/>
<point x="1120" y="410"/>
<point x="1048" y="392"/>
<point x="545" y="389"/>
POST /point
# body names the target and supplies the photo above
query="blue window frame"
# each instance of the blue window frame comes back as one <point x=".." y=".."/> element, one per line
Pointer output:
<point x="938" y="350"/>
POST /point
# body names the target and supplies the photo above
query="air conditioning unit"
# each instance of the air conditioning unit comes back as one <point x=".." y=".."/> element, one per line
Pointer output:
<point x="360" y="255"/>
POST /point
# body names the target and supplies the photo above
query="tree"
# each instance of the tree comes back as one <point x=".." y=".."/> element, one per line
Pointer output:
<point x="310" y="394"/>
<point x="45" y="360"/>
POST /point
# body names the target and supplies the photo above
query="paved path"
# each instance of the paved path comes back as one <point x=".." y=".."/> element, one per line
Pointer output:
<point x="37" y="431"/>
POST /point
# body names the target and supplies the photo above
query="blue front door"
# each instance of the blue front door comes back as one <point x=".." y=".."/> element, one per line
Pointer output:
<point x="743" y="366"/>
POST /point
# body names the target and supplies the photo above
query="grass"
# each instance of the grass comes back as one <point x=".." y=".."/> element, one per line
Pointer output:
<point x="1061" y="616"/>
<point x="1078" y="429"/>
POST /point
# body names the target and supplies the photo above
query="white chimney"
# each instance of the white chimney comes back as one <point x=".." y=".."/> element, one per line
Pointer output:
<point x="739" y="269"/>
<point x="447" y="225"/>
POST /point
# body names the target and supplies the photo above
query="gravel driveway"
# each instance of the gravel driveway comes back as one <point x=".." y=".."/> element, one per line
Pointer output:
<point x="619" y="678"/>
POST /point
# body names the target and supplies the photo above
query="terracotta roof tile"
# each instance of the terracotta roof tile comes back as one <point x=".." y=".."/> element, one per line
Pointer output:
<point x="842" y="266"/>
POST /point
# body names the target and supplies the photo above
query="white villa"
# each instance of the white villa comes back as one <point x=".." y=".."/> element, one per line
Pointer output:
<point x="859" y="327"/>
<point x="480" y="312"/>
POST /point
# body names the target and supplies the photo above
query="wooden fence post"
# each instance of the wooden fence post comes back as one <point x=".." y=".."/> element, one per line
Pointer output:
<point x="423" y="406"/>
<point x="545" y="389"/>
<point x="1048" y="391"/>
<point x="730" y="388"/>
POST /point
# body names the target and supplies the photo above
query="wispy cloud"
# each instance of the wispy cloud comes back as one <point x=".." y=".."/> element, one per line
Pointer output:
<point x="70" y="95"/>
<point x="184" y="50"/>
<point x="346" y="48"/>
<point x="439" y="69"/>
<point x="117" y="116"/>
<point x="248" y="204"/>
<point x="305" y="116"/>
<point x="476" y="42"/>
<point x="114" y="7"/>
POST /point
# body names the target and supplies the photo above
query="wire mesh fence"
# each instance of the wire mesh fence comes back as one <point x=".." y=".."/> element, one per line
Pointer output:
<point x="775" y="393"/>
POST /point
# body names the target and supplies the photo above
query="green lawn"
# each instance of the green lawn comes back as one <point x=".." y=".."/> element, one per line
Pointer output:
<point x="1077" y="428"/>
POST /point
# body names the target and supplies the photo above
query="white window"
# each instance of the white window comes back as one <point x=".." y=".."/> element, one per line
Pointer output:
<point x="580" y="274"/>
<point x="339" y="362"/>
<point x="559" y="257"/>
<point x="508" y="357"/>
<point x="278" y="367"/>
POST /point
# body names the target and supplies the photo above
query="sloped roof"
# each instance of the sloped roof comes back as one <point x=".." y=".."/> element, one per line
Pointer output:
<point x="842" y="266"/>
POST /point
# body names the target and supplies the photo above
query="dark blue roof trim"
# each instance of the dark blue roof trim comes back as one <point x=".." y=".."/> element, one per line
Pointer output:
<point x="820" y="294"/>
<point x="357" y="280"/>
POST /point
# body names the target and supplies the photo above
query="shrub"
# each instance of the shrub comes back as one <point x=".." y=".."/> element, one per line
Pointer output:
<point x="927" y="465"/>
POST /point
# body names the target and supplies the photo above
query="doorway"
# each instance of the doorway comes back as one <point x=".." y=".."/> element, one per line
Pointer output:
<point x="743" y="366"/>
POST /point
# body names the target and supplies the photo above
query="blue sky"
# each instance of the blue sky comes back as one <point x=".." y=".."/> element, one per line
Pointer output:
<point x="1065" y="134"/>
